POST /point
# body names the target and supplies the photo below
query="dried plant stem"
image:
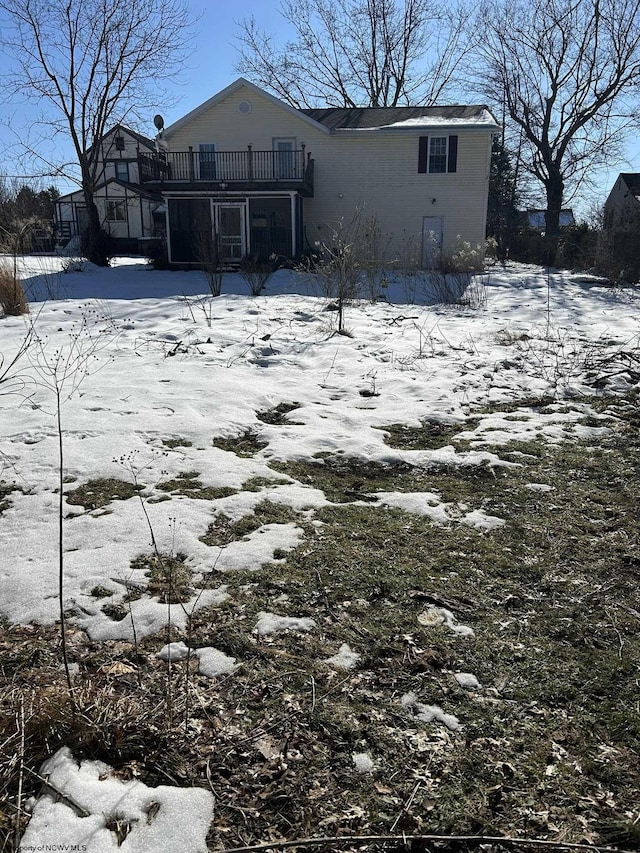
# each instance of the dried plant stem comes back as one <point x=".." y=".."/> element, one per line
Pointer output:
<point x="63" y="622"/>
<point x="20" y="774"/>
<point x="334" y="843"/>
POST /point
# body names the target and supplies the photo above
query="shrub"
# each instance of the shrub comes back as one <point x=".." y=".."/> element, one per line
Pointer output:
<point x="618" y="254"/>
<point x="12" y="297"/>
<point x="157" y="255"/>
<point x="208" y="255"/>
<point x="257" y="272"/>
<point x="463" y="257"/>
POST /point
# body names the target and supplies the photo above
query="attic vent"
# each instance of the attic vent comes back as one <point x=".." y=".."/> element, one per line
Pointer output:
<point x="244" y="107"/>
<point x="119" y="140"/>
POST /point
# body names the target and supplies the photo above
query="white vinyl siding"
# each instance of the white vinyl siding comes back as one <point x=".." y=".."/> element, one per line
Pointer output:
<point x="369" y="170"/>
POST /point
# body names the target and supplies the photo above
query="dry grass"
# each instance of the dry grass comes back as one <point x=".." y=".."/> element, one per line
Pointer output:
<point x="549" y="747"/>
<point x="12" y="298"/>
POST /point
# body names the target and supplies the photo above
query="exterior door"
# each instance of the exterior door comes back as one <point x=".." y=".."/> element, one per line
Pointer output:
<point x="431" y="242"/>
<point x="285" y="162"/>
<point x="82" y="219"/>
<point x="231" y="232"/>
<point x="207" y="161"/>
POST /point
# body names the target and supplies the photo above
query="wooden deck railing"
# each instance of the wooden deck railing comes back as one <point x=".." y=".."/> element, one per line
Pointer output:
<point x="247" y="166"/>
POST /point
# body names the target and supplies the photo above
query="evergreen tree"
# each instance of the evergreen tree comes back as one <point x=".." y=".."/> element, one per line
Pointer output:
<point x="502" y="215"/>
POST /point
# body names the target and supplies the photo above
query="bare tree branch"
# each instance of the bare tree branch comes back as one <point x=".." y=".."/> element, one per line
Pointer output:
<point x="350" y="53"/>
<point x="567" y="72"/>
<point x="93" y="62"/>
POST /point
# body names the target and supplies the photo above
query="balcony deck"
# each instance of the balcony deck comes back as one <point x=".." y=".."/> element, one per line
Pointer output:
<point x="235" y="171"/>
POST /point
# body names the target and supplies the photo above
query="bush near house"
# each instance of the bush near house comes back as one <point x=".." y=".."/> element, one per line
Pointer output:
<point x="13" y="301"/>
<point x="618" y="251"/>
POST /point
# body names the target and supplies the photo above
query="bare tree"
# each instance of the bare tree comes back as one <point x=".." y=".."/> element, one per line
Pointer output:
<point x="566" y="72"/>
<point x="349" y="53"/>
<point x="92" y="63"/>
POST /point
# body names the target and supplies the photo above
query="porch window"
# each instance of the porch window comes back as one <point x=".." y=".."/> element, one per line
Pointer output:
<point x="270" y="226"/>
<point x="190" y="229"/>
<point x="116" y="211"/>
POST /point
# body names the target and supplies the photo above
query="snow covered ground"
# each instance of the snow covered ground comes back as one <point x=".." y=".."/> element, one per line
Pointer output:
<point x="151" y="371"/>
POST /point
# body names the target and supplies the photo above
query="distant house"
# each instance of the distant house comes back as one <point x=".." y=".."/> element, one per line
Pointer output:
<point x="622" y="207"/>
<point x="129" y="212"/>
<point x="619" y="247"/>
<point x="264" y="178"/>
<point x="534" y="219"/>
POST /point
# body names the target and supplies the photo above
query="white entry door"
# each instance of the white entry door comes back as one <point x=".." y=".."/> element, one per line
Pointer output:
<point x="431" y="242"/>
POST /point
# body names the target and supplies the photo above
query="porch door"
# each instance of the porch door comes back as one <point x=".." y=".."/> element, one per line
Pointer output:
<point x="431" y="242"/>
<point x="285" y="163"/>
<point x="231" y="232"/>
<point x="207" y="161"/>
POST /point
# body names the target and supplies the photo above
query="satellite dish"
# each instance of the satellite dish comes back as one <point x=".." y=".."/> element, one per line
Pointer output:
<point x="159" y="122"/>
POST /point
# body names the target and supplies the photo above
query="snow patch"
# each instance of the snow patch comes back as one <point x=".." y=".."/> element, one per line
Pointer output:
<point x="467" y="681"/>
<point x="213" y="662"/>
<point x="173" y="652"/>
<point x="430" y="713"/>
<point x="344" y="659"/>
<point x="481" y="521"/>
<point x="174" y="820"/>
<point x="362" y="762"/>
<point x="433" y="616"/>
<point x="271" y="623"/>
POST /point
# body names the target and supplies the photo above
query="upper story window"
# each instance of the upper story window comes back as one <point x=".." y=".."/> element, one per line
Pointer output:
<point x="116" y="211"/>
<point x="122" y="170"/>
<point x="119" y="143"/>
<point x="438" y="154"/>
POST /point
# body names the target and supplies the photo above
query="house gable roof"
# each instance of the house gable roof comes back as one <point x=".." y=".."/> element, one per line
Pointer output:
<point x="350" y="119"/>
<point x="140" y="139"/>
<point x="143" y="140"/>
<point x="229" y="90"/>
<point x="403" y="118"/>
<point x="632" y="180"/>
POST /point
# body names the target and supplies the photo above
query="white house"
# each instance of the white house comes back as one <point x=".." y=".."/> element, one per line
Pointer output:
<point x="264" y="178"/>
<point x="129" y="212"/>
<point x="622" y="207"/>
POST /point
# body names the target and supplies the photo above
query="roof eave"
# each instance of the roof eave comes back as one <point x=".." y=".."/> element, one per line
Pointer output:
<point x="488" y="127"/>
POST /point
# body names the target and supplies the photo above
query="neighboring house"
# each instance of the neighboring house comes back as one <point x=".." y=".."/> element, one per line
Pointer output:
<point x="622" y="207"/>
<point x="619" y="244"/>
<point x="130" y="213"/>
<point x="534" y="218"/>
<point x="265" y="178"/>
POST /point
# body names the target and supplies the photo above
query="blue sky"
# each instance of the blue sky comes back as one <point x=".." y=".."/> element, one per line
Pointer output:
<point x="210" y="68"/>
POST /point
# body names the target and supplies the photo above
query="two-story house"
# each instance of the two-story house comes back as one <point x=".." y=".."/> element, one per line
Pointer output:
<point x="261" y="178"/>
<point x="129" y="212"/>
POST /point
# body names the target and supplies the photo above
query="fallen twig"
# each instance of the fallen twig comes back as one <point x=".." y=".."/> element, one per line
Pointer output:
<point x="340" y="841"/>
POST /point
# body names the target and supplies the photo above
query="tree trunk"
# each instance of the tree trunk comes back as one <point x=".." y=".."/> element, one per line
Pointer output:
<point x="94" y="240"/>
<point x="555" y="190"/>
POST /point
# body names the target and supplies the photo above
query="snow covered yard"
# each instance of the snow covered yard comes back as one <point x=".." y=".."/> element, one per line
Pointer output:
<point x="320" y="584"/>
